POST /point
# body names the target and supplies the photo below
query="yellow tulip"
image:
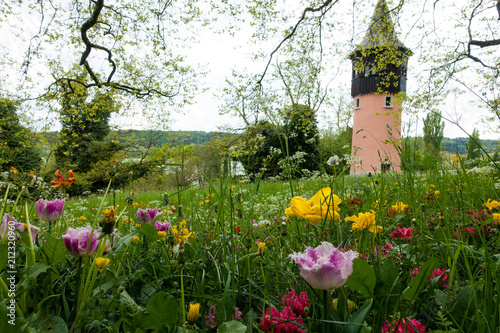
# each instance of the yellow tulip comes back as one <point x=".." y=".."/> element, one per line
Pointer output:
<point x="323" y="205"/>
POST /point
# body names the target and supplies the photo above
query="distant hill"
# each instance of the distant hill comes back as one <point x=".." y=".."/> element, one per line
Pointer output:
<point x="460" y="145"/>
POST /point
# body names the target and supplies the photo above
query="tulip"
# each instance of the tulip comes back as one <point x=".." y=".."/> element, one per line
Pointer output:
<point x="403" y="326"/>
<point x="194" y="313"/>
<point x="322" y="205"/>
<point x="147" y="215"/>
<point x="8" y="221"/>
<point x="325" y="267"/>
<point x="77" y="241"/>
<point x="165" y="226"/>
<point x="50" y="211"/>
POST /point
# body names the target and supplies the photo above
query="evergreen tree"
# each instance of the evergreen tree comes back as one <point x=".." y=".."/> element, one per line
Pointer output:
<point x="433" y="132"/>
<point x="17" y="148"/>
<point x="474" y="146"/>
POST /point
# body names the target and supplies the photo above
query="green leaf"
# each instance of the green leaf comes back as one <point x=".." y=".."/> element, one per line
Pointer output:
<point x="54" y="250"/>
<point x="232" y="326"/>
<point x="158" y="306"/>
<point x="10" y="322"/>
<point x="418" y="283"/>
<point x="37" y="269"/>
<point x="50" y="324"/>
<point x="150" y="231"/>
<point x="362" y="279"/>
<point x="250" y="318"/>
<point x="3" y="256"/>
<point x="131" y="313"/>
<point x="357" y="319"/>
<point x="122" y="243"/>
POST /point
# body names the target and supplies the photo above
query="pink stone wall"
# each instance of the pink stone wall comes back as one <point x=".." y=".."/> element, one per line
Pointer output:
<point x="376" y="132"/>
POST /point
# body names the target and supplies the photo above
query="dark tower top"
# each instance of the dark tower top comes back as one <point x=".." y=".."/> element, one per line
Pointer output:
<point x="379" y="63"/>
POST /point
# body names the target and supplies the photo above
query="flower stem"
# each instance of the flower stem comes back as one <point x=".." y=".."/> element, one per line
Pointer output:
<point x="325" y="311"/>
<point x="183" y="307"/>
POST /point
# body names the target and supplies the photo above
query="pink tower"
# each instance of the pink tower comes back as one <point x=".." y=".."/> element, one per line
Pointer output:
<point x="378" y="84"/>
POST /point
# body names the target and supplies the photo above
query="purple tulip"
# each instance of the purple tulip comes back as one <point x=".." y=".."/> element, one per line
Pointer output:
<point x="148" y="215"/>
<point x="77" y="239"/>
<point x="325" y="267"/>
<point x="49" y="211"/>
<point x="17" y="227"/>
<point x="165" y="226"/>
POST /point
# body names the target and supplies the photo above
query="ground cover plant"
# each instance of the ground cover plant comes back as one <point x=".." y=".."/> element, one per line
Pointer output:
<point x="395" y="252"/>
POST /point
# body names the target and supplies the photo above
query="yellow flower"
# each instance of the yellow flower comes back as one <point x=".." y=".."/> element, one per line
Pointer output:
<point x="437" y="193"/>
<point x="201" y="204"/>
<point x="399" y="207"/>
<point x="82" y="218"/>
<point x="492" y="204"/>
<point x="161" y="234"/>
<point x="240" y="181"/>
<point x="322" y="205"/>
<point x="207" y="201"/>
<point x="261" y="249"/>
<point x="101" y="263"/>
<point x="182" y="224"/>
<point x="137" y="225"/>
<point x="135" y="239"/>
<point x="233" y="187"/>
<point x="194" y="313"/>
<point x="364" y="221"/>
<point x="496" y="218"/>
<point x="432" y="185"/>
<point x="457" y="159"/>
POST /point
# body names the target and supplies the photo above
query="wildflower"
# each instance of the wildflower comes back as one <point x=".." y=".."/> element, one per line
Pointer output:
<point x="165" y="226"/>
<point x="403" y="234"/>
<point x="325" y="267"/>
<point x="82" y="218"/>
<point x="135" y="239"/>
<point x="365" y="221"/>
<point x="109" y="221"/>
<point x="441" y="273"/>
<point x="194" y="313"/>
<point x="437" y="193"/>
<point x="322" y="205"/>
<point x="77" y="241"/>
<point x="457" y="159"/>
<point x="147" y="215"/>
<point x="49" y="211"/>
<point x="13" y="170"/>
<point x="161" y="234"/>
<point x="284" y="321"/>
<point x="491" y="205"/>
<point x="403" y="326"/>
<point x="101" y="263"/>
<point x="210" y="318"/>
<point x="496" y="218"/>
<point x="333" y="160"/>
<point x="181" y="232"/>
<point x="240" y="181"/>
<point x="233" y="187"/>
<point x="261" y="249"/>
<point x="201" y="204"/>
<point x="61" y="181"/>
<point x="299" y="305"/>
<point x="399" y="207"/>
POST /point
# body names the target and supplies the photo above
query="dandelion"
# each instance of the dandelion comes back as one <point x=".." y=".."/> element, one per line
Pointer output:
<point x="457" y="159"/>
<point x="325" y="267"/>
<point x="135" y="239"/>
<point x="333" y="160"/>
<point x="261" y="249"/>
<point x="194" y="313"/>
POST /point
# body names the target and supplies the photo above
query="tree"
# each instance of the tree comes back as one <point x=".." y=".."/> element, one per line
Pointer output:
<point x="17" y="147"/>
<point x="433" y="132"/>
<point x="474" y="146"/>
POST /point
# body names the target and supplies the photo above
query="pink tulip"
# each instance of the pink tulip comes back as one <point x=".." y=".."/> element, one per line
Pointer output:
<point x="325" y="267"/>
<point x="165" y="226"/>
<point x="77" y="240"/>
<point x="50" y="211"/>
<point x="147" y="215"/>
<point x="403" y="326"/>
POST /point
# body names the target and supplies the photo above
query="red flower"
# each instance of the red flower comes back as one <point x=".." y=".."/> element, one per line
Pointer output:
<point x="403" y="234"/>
<point x="61" y="182"/>
<point x="281" y="322"/>
<point x="403" y="326"/>
<point x="298" y="304"/>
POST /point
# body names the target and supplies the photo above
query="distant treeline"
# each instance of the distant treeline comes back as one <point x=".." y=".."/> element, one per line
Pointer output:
<point x="460" y="145"/>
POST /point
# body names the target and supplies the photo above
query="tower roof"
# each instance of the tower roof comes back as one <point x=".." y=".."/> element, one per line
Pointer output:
<point x="381" y="30"/>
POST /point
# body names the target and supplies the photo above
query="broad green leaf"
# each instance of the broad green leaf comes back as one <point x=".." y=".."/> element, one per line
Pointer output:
<point x="54" y="250"/>
<point x="362" y="279"/>
<point x="232" y="326"/>
<point x="418" y="283"/>
<point x="10" y="322"/>
<point x="158" y="306"/>
<point x="131" y="313"/>
<point x="357" y="319"/>
<point x="250" y="318"/>
<point x="150" y="231"/>
<point x="122" y="243"/>
<point x="37" y="269"/>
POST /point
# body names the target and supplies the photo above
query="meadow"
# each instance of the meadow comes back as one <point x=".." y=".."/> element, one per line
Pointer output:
<point x="393" y="252"/>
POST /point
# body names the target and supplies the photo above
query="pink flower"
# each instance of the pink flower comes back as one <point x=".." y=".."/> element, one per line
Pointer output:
<point x="77" y="240"/>
<point x="325" y="267"/>
<point x="403" y="326"/>
<point x="210" y="318"/>
<point x="10" y="224"/>
<point x="298" y="304"/>
<point x="281" y="322"/>
<point x="50" y="211"/>
<point x="165" y="226"/>
<point x="403" y="234"/>
<point x="437" y="272"/>
<point x="147" y="215"/>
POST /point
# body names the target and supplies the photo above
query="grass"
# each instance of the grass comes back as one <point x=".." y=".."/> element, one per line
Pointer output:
<point x="442" y="213"/>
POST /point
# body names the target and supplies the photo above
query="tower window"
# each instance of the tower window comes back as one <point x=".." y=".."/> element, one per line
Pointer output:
<point x="388" y="102"/>
<point x="356" y="103"/>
